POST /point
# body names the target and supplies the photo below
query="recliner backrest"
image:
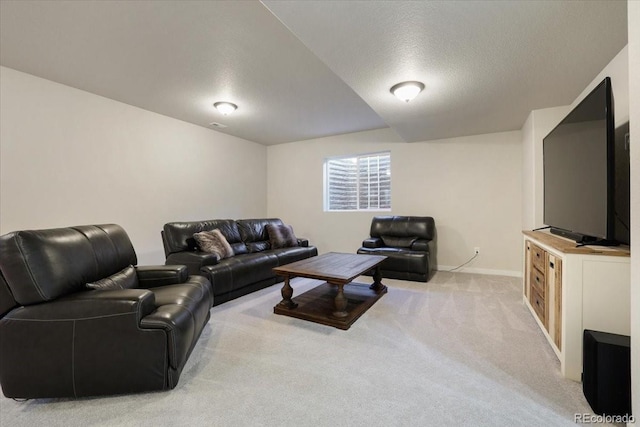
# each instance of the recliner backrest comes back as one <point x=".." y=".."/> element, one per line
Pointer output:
<point x="254" y="232"/>
<point x="402" y="230"/>
<point x="178" y="236"/>
<point x="42" y="265"/>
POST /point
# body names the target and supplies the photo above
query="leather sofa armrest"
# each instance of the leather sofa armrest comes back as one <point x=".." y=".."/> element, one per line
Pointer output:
<point x="170" y="319"/>
<point x="194" y="261"/>
<point x="422" y="245"/>
<point x="372" y="242"/>
<point x="303" y="242"/>
<point x="151" y="276"/>
<point x="90" y="304"/>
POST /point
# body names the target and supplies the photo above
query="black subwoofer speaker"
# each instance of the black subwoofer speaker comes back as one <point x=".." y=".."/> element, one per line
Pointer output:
<point x="606" y="372"/>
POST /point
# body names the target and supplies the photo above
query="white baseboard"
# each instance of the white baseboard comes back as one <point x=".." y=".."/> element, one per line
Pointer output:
<point x="510" y="273"/>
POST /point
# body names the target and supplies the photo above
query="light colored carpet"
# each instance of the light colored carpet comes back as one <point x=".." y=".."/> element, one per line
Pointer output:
<point x="459" y="350"/>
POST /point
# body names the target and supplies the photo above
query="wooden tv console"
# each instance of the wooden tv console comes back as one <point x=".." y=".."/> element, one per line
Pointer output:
<point x="569" y="289"/>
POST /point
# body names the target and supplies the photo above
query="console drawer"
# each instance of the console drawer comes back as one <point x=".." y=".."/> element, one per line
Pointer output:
<point x="538" y="257"/>
<point x="538" y="282"/>
<point x="537" y="302"/>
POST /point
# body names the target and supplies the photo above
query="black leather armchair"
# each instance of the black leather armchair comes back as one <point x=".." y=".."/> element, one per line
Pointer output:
<point x="408" y="242"/>
<point x="60" y="339"/>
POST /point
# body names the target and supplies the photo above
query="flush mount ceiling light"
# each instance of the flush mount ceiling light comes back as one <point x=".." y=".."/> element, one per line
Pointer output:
<point x="406" y="91"/>
<point x="225" y="108"/>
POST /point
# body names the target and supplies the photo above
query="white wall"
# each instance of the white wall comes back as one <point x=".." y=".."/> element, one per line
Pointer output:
<point x="634" y="123"/>
<point x="538" y="125"/>
<point x="618" y="70"/>
<point x="528" y="174"/>
<point x="68" y="157"/>
<point x="470" y="185"/>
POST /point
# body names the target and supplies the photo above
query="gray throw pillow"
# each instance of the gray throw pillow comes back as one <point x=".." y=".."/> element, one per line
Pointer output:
<point x="124" y="279"/>
<point x="281" y="236"/>
<point x="214" y="242"/>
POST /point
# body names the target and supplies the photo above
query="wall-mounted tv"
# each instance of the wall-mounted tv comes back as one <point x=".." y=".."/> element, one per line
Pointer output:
<point x="583" y="198"/>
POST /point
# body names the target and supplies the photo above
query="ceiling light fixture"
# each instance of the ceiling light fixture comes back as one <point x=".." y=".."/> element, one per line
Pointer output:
<point x="406" y="91"/>
<point x="225" y="108"/>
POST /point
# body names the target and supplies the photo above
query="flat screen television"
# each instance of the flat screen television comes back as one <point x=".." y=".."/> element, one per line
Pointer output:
<point x="579" y="157"/>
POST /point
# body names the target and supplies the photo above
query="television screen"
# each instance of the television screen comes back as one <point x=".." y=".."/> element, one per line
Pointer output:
<point x="578" y="170"/>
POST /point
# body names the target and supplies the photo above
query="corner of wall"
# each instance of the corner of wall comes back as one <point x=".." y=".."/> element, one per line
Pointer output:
<point x="537" y="126"/>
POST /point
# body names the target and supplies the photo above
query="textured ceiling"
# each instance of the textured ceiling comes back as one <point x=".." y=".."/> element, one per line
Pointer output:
<point x="307" y="69"/>
<point x="485" y="64"/>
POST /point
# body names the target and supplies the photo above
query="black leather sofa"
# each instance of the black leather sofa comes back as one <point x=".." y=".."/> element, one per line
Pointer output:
<point x="408" y="242"/>
<point x="250" y="269"/>
<point x="60" y="339"/>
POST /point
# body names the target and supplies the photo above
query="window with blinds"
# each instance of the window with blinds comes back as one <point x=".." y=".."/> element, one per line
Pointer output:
<point x="358" y="183"/>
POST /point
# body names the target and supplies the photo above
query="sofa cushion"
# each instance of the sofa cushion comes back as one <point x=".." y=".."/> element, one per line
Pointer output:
<point x="258" y="246"/>
<point x="281" y="236"/>
<point x="124" y="279"/>
<point x="214" y="242"/>
<point x="239" y="248"/>
<point x="112" y="248"/>
<point x="240" y="271"/>
<point x="398" y="242"/>
<point x="422" y="227"/>
<point x="254" y="230"/>
<point x="404" y="260"/>
<point x="289" y="255"/>
<point x="178" y="236"/>
<point x="254" y="233"/>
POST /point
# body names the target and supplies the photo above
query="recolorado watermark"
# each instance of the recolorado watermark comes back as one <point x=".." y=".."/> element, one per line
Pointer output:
<point x="604" y="418"/>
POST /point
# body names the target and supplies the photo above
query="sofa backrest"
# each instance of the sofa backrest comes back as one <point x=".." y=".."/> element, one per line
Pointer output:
<point x="254" y="233"/>
<point x="401" y="231"/>
<point x="178" y="236"/>
<point x="42" y="265"/>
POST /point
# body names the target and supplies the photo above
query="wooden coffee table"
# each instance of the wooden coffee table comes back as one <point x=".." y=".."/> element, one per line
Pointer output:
<point x="331" y="303"/>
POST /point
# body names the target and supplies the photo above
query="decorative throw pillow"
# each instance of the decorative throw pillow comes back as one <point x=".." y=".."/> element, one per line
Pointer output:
<point x="281" y="236"/>
<point x="214" y="242"/>
<point x="124" y="279"/>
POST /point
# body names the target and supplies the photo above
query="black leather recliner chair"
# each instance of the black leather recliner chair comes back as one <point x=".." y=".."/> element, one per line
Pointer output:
<point x="60" y="339"/>
<point x="408" y="242"/>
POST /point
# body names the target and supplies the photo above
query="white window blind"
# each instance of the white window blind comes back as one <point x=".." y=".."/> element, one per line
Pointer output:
<point x="358" y="183"/>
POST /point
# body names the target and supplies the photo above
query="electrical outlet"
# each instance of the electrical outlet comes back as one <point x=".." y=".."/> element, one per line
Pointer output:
<point x="476" y="250"/>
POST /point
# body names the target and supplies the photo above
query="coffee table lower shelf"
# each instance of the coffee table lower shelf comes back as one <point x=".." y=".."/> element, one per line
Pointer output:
<point x="317" y="304"/>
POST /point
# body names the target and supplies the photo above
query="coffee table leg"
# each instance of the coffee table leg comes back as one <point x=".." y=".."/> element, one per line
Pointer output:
<point x="287" y="293"/>
<point x="340" y="302"/>
<point x="377" y="280"/>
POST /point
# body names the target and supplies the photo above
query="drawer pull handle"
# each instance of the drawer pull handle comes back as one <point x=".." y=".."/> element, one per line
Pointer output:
<point x="551" y="265"/>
